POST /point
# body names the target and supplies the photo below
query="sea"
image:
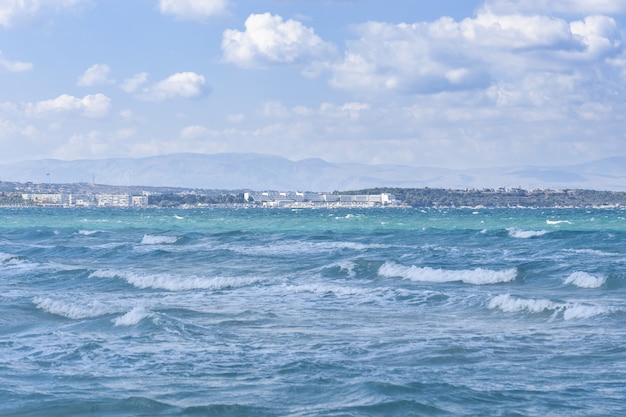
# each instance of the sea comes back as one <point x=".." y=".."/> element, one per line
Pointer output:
<point x="312" y="312"/>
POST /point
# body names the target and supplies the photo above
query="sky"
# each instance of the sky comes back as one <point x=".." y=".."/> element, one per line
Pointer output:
<point x="452" y="83"/>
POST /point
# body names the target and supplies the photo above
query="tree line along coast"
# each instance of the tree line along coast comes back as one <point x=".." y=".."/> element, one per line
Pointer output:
<point x="96" y="195"/>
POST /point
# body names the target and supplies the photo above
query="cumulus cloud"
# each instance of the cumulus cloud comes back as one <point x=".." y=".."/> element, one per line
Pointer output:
<point x="584" y="7"/>
<point x="268" y="39"/>
<point x="186" y="85"/>
<point x="12" y="11"/>
<point x="193" y="9"/>
<point x="10" y="129"/>
<point x="97" y="74"/>
<point x="132" y="84"/>
<point x="448" y="55"/>
<point x="93" y="106"/>
<point x="14" y="66"/>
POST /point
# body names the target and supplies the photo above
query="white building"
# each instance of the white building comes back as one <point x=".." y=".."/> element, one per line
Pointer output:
<point x="113" y="200"/>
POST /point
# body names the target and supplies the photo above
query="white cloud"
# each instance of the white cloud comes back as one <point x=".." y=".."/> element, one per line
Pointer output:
<point x="268" y="39"/>
<point x="449" y="55"/>
<point x="132" y="84"/>
<point x="185" y="85"/>
<point x="235" y="118"/>
<point x="97" y="74"/>
<point x="10" y="129"/>
<point x="12" y="11"/>
<point x="92" y="106"/>
<point x="14" y="66"/>
<point x="195" y="131"/>
<point x="584" y="7"/>
<point x="193" y="9"/>
<point x="92" y="144"/>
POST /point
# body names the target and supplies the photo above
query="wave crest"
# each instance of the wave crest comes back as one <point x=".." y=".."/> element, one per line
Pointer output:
<point x="570" y="311"/>
<point x="525" y="234"/>
<point x="478" y="276"/>
<point x="584" y="280"/>
<point x="159" y="240"/>
<point x="133" y="317"/>
<point x="170" y="282"/>
<point x="72" y="310"/>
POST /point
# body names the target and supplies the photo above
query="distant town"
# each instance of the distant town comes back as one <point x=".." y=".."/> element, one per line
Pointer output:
<point x="13" y="194"/>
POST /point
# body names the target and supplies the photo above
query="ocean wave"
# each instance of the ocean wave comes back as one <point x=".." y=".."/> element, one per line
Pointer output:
<point x="171" y="282"/>
<point x="159" y="240"/>
<point x="132" y="317"/>
<point x="88" y="232"/>
<point x="478" y="276"/>
<point x="326" y="289"/>
<point x="584" y="280"/>
<point x="345" y="265"/>
<point x="73" y="310"/>
<point x="7" y="257"/>
<point x="569" y="311"/>
<point x="525" y="234"/>
<point x="594" y="252"/>
<point x="296" y="247"/>
<point x="558" y="222"/>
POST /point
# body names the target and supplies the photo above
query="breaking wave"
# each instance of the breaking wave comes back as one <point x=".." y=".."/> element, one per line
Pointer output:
<point x="133" y="317"/>
<point x="174" y="283"/>
<point x="569" y="311"/>
<point x="584" y="280"/>
<point x="159" y="240"/>
<point x="525" y="234"/>
<point x="478" y="276"/>
<point x="72" y="310"/>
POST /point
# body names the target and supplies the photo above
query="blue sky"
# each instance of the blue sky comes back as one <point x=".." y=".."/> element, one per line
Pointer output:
<point x="453" y="83"/>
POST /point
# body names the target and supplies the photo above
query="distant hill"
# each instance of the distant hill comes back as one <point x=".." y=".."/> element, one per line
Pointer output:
<point x="266" y="172"/>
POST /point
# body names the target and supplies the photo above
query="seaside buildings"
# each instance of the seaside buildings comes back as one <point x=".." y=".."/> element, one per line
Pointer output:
<point x="86" y="200"/>
<point x="310" y="199"/>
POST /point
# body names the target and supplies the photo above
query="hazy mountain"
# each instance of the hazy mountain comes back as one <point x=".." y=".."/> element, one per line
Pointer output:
<point x="266" y="172"/>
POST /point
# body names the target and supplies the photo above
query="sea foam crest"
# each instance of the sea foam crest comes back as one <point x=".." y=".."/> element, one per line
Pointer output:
<point x="88" y="232"/>
<point x="584" y="280"/>
<point x="327" y="289"/>
<point x="132" y="317"/>
<point x="159" y="240"/>
<point x="7" y="257"/>
<point x="558" y="222"/>
<point x="72" y="310"/>
<point x="570" y="311"/>
<point x="525" y="234"/>
<point x="478" y="276"/>
<point x="174" y="283"/>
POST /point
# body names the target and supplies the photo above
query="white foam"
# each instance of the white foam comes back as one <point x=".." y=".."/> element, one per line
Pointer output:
<point x="593" y="252"/>
<point x="558" y="221"/>
<point x="73" y="310"/>
<point x="584" y="280"/>
<point x="525" y="234"/>
<point x="347" y="266"/>
<point x="290" y="247"/>
<point x="327" y="289"/>
<point x="132" y="317"/>
<point x="510" y="304"/>
<point x="478" y="276"/>
<point x="570" y="311"/>
<point x="159" y="240"/>
<point x="7" y="257"/>
<point x="580" y="311"/>
<point x="88" y="232"/>
<point x="172" y="282"/>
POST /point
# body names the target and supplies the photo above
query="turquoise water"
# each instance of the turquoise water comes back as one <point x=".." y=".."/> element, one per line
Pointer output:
<point x="252" y="312"/>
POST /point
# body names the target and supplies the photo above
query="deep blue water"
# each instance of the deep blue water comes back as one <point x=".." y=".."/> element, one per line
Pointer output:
<point x="390" y="312"/>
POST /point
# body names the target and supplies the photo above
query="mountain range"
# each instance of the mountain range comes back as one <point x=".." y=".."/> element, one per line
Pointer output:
<point x="233" y="171"/>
